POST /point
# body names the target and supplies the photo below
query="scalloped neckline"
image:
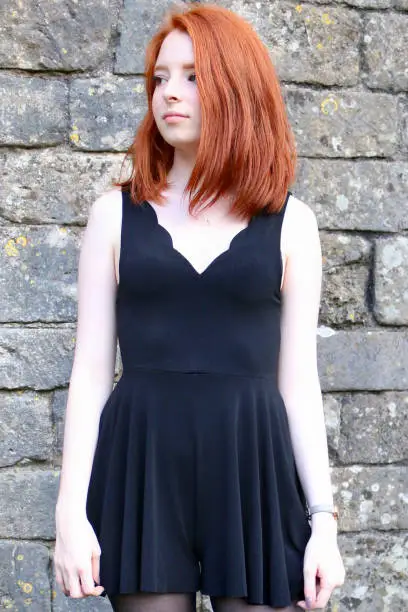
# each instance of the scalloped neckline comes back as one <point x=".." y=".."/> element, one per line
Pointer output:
<point x="165" y="232"/>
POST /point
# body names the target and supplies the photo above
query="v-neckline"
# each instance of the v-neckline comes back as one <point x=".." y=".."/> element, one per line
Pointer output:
<point x="165" y="232"/>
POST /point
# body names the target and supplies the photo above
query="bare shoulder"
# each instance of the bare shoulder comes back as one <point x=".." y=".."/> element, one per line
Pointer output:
<point x="107" y="213"/>
<point x="108" y="206"/>
<point x="299" y="224"/>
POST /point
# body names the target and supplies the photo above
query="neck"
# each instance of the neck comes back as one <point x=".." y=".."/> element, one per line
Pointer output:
<point x="181" y="170"/>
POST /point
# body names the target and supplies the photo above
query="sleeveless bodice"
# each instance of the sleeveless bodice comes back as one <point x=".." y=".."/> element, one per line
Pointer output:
<point x="223" y="320"/>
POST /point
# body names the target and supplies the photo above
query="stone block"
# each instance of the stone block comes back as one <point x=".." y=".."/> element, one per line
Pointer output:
<point x="403" y="120"/>
<point x="342" y="123"/>
<point x="39" y="273"/>
<point x="25" y="427"/>
<point x="371" y="497"/>
<point x="133" y="40"/>
<point x="343" y="301"/>
<point x="106" y="112"/>
<point x="27" y="503"/>
<point x="33" y="110"/>
<point x="47" y="35"/>
<point x="36" y="358"/>
<point x="362" y="360"/>
<point x="360" y="195"/>
<point x="38" y="184"/>
<point x="24" y="580"/>
<point x="345" y="279"/>
<point x="332" y="406"/>
<point x="376" y="567"/>
<point x="310" y="44"/>
<point x="386" y="66"/>
<point x="59" y="404"/>
<point x="391" y="280"/>
<point x="374" y="427"/>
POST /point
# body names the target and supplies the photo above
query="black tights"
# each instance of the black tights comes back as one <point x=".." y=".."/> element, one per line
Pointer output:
<point x="178" y="602"/>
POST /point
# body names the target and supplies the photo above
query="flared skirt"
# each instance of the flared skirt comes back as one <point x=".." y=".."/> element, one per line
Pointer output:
<point x="194" y="487"/>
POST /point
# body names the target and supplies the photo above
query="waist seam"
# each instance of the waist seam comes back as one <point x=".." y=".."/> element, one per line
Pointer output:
<point x="129" y="369"/>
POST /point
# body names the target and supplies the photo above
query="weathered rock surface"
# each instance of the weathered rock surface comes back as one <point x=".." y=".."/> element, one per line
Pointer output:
<point x="24" y="582"/>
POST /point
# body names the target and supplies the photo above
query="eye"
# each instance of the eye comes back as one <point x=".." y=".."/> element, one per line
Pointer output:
<point x="156" y="79"/>
<point x="193" y="75"/>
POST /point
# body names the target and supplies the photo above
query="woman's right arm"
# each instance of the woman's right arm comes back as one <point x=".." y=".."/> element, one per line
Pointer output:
<point x="91" y="383"/>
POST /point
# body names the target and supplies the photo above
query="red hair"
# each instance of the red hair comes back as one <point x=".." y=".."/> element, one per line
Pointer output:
<point x="246" y="144"/>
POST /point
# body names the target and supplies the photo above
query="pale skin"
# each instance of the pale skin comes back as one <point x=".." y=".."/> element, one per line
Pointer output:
<point x="77" y="550"/>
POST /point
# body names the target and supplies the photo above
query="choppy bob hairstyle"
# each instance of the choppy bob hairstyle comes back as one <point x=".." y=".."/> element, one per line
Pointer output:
<point x="246" y="145"/>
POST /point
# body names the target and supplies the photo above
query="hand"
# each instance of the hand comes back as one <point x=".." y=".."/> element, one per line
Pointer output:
<point x="76" y="557"/>
<point x="323" y="571"/>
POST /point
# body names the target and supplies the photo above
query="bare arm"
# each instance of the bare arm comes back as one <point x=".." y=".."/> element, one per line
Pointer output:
<point x="298" y="375"/>
<point x="95" y="351"/>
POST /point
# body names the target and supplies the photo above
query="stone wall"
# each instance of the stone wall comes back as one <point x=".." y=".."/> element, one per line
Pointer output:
<point x="71" y="96"/>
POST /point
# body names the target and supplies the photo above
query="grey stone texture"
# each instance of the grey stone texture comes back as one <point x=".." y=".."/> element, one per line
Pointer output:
<point x="373" y="427"/>
<point x="105" y="112"/>
<point x="376" y="567"/>
<point x="38" y="185"/>
<point x="375" y="4"/>
<point x="37" y="358"/>
<point x="25" y="427"/>
<point x="71" y="99"/>
<point x="24" y="581"/>
<point x="133" y="39"/>
<point x="391" y="280"/>
<point x="58" y="406"/>
<point x="54" y="35"/>
<point x="364" y="195"/>
<point x="28" y="502"/>
<point x="38" y="273"/>
<point x="332" y="415"/>
<point x="403" y="118"/>
<point x="358" y="360"/>
<point x="371" y="497"/>
<point x="33" y="111"/>
<point x="342" y="123"/>
<point x="345" y="279"/>
<point x="386" y="65"/>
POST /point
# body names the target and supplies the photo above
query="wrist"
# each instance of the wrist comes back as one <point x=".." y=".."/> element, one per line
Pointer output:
<point x="323" y="522"/>
<point x="69" y="508"/>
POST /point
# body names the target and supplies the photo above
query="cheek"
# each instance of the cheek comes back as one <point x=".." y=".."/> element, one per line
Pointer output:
<point x="155" y="105"/>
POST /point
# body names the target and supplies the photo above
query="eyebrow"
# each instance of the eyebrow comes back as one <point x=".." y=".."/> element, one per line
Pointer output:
<point x="163" y="67"/>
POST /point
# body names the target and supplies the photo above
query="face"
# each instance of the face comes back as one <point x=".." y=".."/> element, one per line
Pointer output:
<point x="176" y="92"/>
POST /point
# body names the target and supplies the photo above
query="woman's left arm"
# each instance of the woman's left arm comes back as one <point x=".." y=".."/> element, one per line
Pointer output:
<point x="300" y="388"/>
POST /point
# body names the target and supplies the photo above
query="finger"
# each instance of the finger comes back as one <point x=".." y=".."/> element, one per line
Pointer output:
<point x="88" y="586"/>
<point x="60" y="581"/>
<point x="75" y="590"/>
<point x="65" y="578"/>
<point x="95" y="568"/>
<point x="310" y="584"/>
<point x="323" y="596"/>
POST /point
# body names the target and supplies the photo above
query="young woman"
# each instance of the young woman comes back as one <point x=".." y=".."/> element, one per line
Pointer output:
<point x="199" y="470"/>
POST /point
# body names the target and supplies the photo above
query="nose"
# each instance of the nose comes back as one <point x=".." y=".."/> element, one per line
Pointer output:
<point x="171" y="89"/>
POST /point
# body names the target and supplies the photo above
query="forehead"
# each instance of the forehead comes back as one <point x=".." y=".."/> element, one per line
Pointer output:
<point x="177" y="48"/>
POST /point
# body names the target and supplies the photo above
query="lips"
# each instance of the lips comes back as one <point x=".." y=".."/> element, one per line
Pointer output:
<point x="171" y="114"/>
